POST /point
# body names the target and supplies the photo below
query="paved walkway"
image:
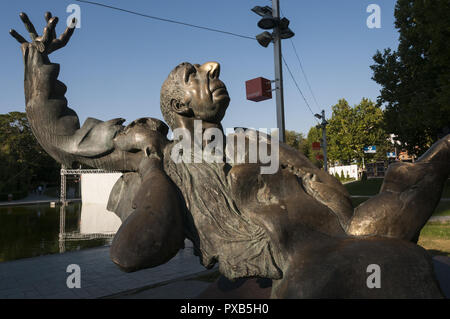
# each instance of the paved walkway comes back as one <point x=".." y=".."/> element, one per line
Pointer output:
<point x="46" y="276"/>
<point x="185" y="289"/>
<point x="189" y="287"/>
<point x="192" y="287"/>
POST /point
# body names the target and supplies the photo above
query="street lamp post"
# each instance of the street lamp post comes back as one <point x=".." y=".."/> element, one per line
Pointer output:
<point x="323" y="125"/>
<point x="278" y="72"/>
<point x="271" y="20"/>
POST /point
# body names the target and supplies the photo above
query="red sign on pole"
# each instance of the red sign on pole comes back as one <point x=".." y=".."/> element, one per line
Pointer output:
<point x="258" y="89"/>
<point x="316" y="146"/>
<point x="319" y="157"/>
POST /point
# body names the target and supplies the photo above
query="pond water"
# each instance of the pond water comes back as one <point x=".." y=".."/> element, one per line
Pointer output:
<point x="35" y="230"/>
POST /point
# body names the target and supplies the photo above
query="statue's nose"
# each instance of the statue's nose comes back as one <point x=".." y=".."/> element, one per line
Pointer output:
<point x="212" y="68"/>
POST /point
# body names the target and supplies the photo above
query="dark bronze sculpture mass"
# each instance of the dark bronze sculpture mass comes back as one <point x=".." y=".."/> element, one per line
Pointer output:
<point x="297" y="227"/>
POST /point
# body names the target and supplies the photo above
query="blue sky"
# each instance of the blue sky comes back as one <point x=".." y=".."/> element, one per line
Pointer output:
<point x="115" y="63"/>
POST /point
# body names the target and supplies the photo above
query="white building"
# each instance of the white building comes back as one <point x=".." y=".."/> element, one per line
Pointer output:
<point x="95" y="218"/>
<point x="348" y="170"/>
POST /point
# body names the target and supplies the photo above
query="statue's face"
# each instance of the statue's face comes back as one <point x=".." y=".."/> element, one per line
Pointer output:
<point x="205" y="94"/>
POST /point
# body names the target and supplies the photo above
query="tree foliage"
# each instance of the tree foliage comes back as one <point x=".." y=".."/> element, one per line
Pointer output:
<point x="295" y="140"/>
<point x="340" y="134"/>
<point x="415" y="78"/>
<point x="314" y="135"/>
<point x="24" y="163"/>
<point x="304" y="145"/>
<point x="350" y="129"/>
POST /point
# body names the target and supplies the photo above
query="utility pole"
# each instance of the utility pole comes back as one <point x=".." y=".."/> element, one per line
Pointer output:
<point x="271" y="20"/>
<point x="324" y="137"/>
<point x="323" y="125"/>
<point x="278" y="71"/>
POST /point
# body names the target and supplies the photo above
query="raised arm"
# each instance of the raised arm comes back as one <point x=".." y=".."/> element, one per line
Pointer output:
<point x="55" y="125"/>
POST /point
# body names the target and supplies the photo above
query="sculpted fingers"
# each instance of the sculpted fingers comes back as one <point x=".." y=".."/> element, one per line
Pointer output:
<point x="64" y="37"/>
<point x="17" y="36"/>
<point x="48" y="42"/>
<point x="49" y="30"/>
<point x="28" y="25"/>
<point x="48" y="16"/>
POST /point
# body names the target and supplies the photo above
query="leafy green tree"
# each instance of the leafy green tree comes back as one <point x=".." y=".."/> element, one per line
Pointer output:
<point x="24" y="162"/>
<point x="295" y="140"/>
<point x="340" y="134"/>
<point x="351" y="129"/>
<point x="415" y="78"/>
<point x="369" y="130"/>
<point x="314" y="135"/>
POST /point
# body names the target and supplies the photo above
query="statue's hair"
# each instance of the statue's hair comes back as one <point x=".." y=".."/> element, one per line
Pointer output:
<point x="171" y="89"/>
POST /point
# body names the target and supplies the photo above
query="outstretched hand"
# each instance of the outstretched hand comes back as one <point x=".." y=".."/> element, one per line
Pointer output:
<point x="47" y="43"/>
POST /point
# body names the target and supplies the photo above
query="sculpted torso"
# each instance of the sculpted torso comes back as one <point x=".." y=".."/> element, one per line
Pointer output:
<point x="296" y="226"/>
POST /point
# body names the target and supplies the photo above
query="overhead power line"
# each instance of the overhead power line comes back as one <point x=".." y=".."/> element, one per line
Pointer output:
<point x="303" y="71"/>
<point x="207" y="29"/>
<point x="298" y="88"/>
<point x="304" y="75"/>
<point x="166" y="20"/>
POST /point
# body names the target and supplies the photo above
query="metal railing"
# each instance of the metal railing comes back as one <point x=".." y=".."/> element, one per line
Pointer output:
<point x="78" y="171"/>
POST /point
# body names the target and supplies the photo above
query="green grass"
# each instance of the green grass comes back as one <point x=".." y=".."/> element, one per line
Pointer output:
<point x="369" y="187"/>
<point x="443" y="209"/>
<point x="372" y="187"/>
<point x="436" y="230"/>
<point x="435" y="237"/>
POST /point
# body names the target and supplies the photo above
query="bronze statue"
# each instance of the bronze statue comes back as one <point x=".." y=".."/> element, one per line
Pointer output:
<point x="297" y="227"/>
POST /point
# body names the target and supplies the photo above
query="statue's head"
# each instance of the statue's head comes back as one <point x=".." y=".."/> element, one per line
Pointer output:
<point x="194" y="91"/>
